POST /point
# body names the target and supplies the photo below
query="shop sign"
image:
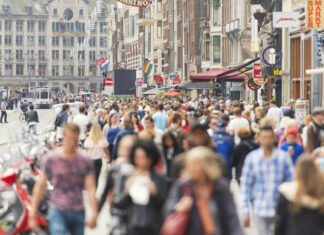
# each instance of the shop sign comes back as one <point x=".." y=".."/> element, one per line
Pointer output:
<point x="314" y="11"/>
<point x="136" y="3"/>
<point x="257" y="74"/>
<point x="252" y="85"/>
<point x="285" y="19"/>
<point x="159" y="80"/>
<point x="140" y="80"/>
<point x="276" y="72"/>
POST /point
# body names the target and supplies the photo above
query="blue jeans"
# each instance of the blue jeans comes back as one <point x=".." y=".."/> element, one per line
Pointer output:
<point x="66" y="222"/>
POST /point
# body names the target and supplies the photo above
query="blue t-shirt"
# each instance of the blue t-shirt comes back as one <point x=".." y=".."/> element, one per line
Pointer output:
<point x="298" y="150"/>
<point x="160" y="120"/>
<point x="112" y="133"/>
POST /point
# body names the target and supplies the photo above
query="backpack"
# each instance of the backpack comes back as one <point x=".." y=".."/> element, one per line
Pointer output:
<point x="58" y="120"/>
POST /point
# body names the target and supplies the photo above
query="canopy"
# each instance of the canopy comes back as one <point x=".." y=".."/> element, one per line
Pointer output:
<point x="209" y="75"/>
<point x="197" y="86"/>
<point x="171" y="93"/>
<point x="153" y="91"/>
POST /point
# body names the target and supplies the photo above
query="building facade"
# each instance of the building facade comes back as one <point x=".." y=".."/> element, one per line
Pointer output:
<point x="54" y="43"/>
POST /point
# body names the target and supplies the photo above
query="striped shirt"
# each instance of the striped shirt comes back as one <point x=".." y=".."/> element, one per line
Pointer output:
<point x="261" y="178"/>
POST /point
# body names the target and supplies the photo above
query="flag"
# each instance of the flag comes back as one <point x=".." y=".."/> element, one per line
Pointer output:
<point x="100" y="60"/>
<point x="147" y="68"/>
<point x="105" y="64"/>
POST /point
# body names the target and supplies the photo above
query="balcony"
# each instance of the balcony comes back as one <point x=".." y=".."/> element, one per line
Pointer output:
<point x="204" y="23"/>
<point x="145" y="21"/>
<point x="232" y="28"/>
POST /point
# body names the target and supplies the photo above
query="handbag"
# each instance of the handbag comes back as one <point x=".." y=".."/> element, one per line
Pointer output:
<point x="177" y="222"/>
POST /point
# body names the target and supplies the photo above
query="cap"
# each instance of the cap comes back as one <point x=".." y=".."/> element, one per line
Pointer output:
<point x="291" y="131"/>
<point x="318" y="110"/>
<point x="221" y="123"/>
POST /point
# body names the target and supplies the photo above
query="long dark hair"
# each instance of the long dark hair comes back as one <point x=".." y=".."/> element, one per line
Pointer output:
<point x="134" y="114"/>
<point x="173" y="138"/>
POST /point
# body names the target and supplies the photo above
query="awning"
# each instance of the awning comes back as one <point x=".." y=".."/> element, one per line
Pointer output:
<point x="153" y="91"/>
<point x="231" y="75"/>
<point x="197" y="86"/>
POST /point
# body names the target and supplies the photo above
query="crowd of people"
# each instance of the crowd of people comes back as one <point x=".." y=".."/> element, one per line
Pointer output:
<point x="174" y="156"/>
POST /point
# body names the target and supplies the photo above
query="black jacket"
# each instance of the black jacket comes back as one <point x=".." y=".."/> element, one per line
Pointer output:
<point x="239" y="154"/>
<point x="32" y="116"/>
<point x="308" y="221"/>
<point x="155" y="204"/>
<point x="222" y="207"/>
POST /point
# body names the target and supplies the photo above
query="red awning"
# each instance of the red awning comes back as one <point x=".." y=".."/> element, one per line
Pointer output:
<point x="209" y="75"/>
<point x="213" y="75"/>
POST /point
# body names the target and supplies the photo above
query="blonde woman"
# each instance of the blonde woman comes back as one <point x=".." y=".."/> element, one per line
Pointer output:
<point x="206" y="195"/>
<point x="300" y="208"/>
<point x="97" y="148"/>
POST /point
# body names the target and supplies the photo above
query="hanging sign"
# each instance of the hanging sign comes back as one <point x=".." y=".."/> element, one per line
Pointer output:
<point x="252" y="85"/>
<point x="136" y="3"/>
<point x="257" y="74"/>
<point x="272" y="55"/>
<point x="314" y="11"/>
<point x="285" y="19"/>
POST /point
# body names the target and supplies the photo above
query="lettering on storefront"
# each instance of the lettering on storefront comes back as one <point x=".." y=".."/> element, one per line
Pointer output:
<point x="136" y="3"/>
<point x="314" y="14"/>
<point x="276" y="72"/>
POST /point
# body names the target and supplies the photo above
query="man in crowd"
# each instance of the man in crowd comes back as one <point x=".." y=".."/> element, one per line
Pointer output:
<point x="32" y="119"/>
<point x="275" y="113"/>
<point x="176" y="129"/>
<point x="3" y="107"/>
<point x="315" y="130"/>
<point x="70" y="173"/>
<point x="264" y="170"/>
<point x="81" y="120"/>
<point x="237" y="123"/>
<point x="60" y="120"/>
<point x="149" y="125"/>
<point x="161" y="120"/>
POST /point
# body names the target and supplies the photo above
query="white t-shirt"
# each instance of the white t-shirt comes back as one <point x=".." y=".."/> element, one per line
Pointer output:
<point x="235" y="125"/>
<point x="96" y="151"/>
<point x="81" y="121"/>
<point x="275" y="113"/>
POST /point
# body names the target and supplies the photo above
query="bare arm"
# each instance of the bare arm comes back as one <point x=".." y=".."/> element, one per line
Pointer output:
<point x="107" y="153"/>
<point x="90" y="187"/>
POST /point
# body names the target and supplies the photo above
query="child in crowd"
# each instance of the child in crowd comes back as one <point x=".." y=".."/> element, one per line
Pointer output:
<point x="291" y="146"/>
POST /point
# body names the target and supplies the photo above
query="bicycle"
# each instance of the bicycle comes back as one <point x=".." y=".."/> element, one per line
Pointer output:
<point x="23" y="117"/>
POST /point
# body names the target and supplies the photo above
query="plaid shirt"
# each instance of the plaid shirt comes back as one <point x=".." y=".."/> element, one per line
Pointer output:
<point x="261" y="178"/>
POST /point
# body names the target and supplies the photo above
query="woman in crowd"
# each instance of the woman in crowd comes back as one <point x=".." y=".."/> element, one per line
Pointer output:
<point x="291" y="124"/>
<point x="137" y="126"/>
<point x="145" y="190"/>
<point x="300" y="208"/>
<point x="97" y="149"/>
<point x="111" y="130"/>
<point x="115" y="184"/>
<point x="170" y="149"/>
<point x="209" y="200"/>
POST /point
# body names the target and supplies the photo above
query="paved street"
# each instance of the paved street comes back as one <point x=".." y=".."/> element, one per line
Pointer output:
<point x="9" y="133"/>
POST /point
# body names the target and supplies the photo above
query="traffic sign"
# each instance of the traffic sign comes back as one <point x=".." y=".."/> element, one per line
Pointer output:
<point x="122" y="65"/>
<point x="109" y="81"/>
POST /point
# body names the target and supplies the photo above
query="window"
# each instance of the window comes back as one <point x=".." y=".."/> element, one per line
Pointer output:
<point x="92" y="42"/>
<point x="55" y="70"/>
<point x="41" y="41"/>
<point x="7" y="40"/>
<point x="92" y="55"/>
<point x="81" y="12"/>
<point x="67" y="55"/>
<point x="19" y="40"/>
<point x="55" y="54"/>
<point x="103" y="54"/>
<point x="102" y="27"/>
<point x="19" y="25"/>
<point x="79" y="27"/>
<point x="42" y="69"/>
<point x="55" y="41"/>
<point x="68" y="70"/>
<point x="81" y="55"/>
<point x="31" y="69"/>
<point x="103" y="42"/>
<point x="159" y="6"/>
<point x="159" y="29"/>
<point x="216" y="49"/>
<point x="8" y="25"/>
<point x="69" y="27"/>
<point x="80" y="41"/>
<point x="20" y="69"/>
<point x="29" y="10"/>
<point x="30" y="54"/>
<point x="216" y="12"/>
<point x="0" y="25"/>
<point x="30" y="26"/>
<point x="19" y="54"/>
<point x="8" y="69"/>
<point x="55" y="27"/>
<point x="92" y="70"/>
<point x="30" y="40"/>
<point x="55" y="12"/>
<point x="81" y="69"/>
<point x="68" y="41"/>
<point x="6" y="9"/>
<point x="41" y="26"/>
<point x="41" y="54"/>
<point x="8" y="54"/>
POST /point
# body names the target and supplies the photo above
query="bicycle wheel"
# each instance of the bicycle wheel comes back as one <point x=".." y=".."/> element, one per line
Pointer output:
<point x="22" y="118"/>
